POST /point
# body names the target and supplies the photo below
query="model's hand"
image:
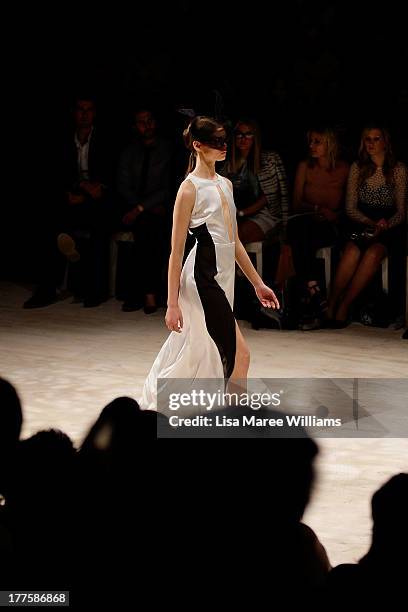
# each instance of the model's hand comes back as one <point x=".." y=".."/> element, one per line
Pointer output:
<point x="267" y="297"/>
<point x="174" y="318"/>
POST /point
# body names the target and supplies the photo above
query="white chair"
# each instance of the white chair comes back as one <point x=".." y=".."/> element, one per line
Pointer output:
<point x="113" y="262"/>
<point x="326" y="254"/>
<point x="256" y="249"/>
<point x="384" y="274"/>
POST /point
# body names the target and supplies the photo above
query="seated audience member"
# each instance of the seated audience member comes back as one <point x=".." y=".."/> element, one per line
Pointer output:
<point x="382" y="571"/>
<point x="145" y="187"/>
<point x="79" y="213"/>
<point x="260" y="184"/>
<point x="319" y="191"/>
<point x="376" y="205"/>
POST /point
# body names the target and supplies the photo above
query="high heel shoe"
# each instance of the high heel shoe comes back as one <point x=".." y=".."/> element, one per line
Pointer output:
<point x="318" y="302"/>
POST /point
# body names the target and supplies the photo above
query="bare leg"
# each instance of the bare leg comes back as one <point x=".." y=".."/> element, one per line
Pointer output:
<point x="237" y="381"/>
<point x="344" y="273"/>
<point x="369" y="265"/>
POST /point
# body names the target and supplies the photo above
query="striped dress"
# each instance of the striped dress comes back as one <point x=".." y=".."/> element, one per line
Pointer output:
<point x="270" y="181"/>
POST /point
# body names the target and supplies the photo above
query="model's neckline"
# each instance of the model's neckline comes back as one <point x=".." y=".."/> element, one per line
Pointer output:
<point x="208" y="180"/>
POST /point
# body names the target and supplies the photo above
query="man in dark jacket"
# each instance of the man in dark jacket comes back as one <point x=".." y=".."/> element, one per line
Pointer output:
<point x="78" y="220"/>
<point x="145" y="186"/>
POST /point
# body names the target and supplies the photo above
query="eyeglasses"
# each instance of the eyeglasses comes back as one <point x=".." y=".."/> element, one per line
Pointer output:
<point x="373" y="139"/>
<point x="241" y="135"/>
<point x="217" y="142"/>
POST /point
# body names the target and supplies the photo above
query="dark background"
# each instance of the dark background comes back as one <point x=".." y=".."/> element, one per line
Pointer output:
<point x="290" y="65"/>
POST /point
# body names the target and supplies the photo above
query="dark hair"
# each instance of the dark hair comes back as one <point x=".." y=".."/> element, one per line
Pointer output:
<point x="200" y="128"/>
<point x="365" y="163"/>
<point x="145" y="108"/>
<point x="118" y="421"/>
<point x="83" y="95"/>
<point x="389" y="507"/>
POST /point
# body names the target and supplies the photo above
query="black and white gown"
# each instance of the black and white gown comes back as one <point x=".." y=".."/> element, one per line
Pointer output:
<point x="206" y="346"/>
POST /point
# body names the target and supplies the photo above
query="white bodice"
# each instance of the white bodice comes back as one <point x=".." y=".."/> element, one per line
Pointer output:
<point x="208" y="207"/>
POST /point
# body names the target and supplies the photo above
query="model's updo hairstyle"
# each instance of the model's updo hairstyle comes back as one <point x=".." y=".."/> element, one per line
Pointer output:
<point x="200" y="128"/>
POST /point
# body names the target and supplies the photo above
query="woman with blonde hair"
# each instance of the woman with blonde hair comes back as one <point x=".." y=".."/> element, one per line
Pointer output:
<point x="205" y="340"/>
<point x="376" y="205"/>
<point x="260" y="184"/>
<point x="318" y="203"/>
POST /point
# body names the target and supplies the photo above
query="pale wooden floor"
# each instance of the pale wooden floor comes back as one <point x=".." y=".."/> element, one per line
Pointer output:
<point x="67" y="362"/>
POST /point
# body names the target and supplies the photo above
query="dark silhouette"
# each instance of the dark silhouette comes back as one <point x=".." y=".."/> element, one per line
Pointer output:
<point x="382" y="571"/>
<point x="11" y="416"/>
<point x="241" y="508"/>
<point x="115" y="483"/>
<point x="40" y="501"/>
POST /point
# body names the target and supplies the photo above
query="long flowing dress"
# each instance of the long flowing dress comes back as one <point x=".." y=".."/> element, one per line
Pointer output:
<point x="206" y="346"/>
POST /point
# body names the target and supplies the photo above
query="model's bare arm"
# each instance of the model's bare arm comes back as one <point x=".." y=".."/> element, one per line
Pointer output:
<point x="265" y="295"/>
<point x="181" y="219"/>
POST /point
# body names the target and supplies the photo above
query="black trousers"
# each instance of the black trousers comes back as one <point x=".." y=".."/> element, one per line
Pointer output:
<point x="151" y="232"/>
<point x="90" y="225"/>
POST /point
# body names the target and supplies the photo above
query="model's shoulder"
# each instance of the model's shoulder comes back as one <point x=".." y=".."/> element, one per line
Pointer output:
<point x="187" y="187"/>
<point x="229" y="183"/>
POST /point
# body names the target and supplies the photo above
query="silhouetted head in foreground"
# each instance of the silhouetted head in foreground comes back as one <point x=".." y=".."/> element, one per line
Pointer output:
<point x="11" y="417"/>
<point x="389" y="507"/>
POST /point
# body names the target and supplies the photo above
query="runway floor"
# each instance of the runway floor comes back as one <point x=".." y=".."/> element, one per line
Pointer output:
<point x="68" y="362"/>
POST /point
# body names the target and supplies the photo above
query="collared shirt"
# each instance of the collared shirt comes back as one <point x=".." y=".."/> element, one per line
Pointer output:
<point x="83" y="154"/>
